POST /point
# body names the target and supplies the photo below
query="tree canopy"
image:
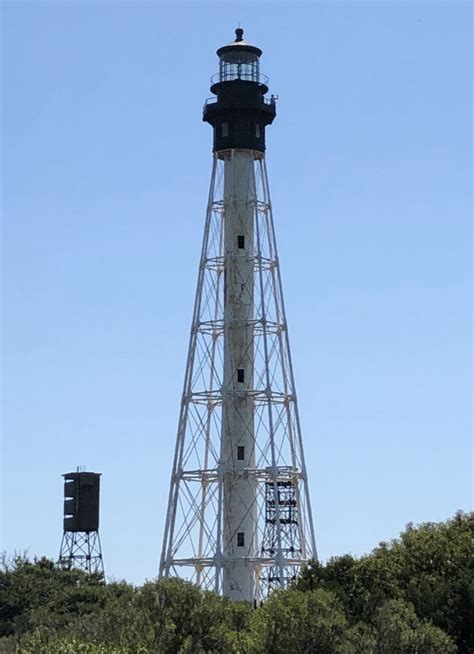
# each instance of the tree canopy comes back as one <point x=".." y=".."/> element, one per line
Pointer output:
<point x="414" y="595"/>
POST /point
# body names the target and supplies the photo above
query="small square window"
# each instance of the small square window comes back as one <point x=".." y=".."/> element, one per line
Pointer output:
<point x="240" y="539"/>
<point x="240" y="452"/>
<point x="225" y="129"/>
<point x="241" y="241"/>
<point x="240" y="375"/>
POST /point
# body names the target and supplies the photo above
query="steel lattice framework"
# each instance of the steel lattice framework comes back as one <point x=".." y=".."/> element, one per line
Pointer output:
<point x="81" y="550"/>
<point x="238" y="293"/>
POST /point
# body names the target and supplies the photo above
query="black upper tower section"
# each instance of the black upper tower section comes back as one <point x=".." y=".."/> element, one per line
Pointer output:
<point x="81" y="501"/>
<point x="240" y="112"/>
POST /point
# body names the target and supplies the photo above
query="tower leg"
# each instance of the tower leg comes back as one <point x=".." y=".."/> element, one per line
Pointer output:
<point x="81" y="551"/>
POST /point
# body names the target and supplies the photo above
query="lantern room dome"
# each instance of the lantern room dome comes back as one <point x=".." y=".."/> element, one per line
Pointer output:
<point x="239" y="45"/>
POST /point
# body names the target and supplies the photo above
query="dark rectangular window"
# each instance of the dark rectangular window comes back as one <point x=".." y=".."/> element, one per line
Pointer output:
<point x="240" y="375"/>
<point x="225" y="129"/>
<point x="241" y="241"/>
<point x="240" y="452"/>
<point x="240" y="539"/>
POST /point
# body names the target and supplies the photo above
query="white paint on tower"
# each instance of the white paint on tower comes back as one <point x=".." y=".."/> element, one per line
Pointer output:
<point x="238" y="440"/>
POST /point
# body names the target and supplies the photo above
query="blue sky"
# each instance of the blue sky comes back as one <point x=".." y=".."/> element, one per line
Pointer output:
<point x="105" y="175"/>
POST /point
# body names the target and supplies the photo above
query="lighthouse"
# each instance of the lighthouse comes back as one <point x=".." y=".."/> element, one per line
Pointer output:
<point x="239" y="516"/>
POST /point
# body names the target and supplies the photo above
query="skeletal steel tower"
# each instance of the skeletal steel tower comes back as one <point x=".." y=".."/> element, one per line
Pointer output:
<point x="239" y="516"/>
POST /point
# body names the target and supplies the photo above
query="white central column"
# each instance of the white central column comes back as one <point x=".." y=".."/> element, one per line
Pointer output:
<point x="238" y="443"/>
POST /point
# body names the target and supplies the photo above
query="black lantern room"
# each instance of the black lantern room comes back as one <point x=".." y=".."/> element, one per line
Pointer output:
<point x="239" y="113"/>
